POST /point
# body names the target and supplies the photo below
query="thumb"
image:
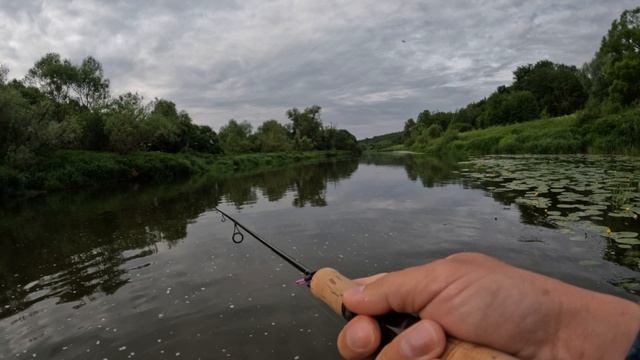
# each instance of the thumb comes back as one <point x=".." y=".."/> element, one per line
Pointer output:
<point x="424" y="340"/>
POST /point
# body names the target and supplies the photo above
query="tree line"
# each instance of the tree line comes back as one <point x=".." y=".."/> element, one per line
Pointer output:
<point x="608" y="84"/>
<point x="62" y="105"/>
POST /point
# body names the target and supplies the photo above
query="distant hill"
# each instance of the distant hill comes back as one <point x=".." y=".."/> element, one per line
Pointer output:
<point x="380" y="142"/>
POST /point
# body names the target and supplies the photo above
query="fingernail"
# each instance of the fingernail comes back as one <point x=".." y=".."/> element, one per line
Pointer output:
<point x="419" y="341"/>
<point x="360" y="338"/>
<point x="354" y="291"/>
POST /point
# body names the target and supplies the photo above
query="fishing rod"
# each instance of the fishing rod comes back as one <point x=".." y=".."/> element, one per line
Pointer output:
<point x="328" y="285"/>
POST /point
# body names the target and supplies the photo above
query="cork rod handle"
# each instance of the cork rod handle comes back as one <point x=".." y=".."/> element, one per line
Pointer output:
<point x="328" y="285"/>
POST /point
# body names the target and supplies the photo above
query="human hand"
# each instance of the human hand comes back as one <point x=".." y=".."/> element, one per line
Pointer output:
<point x="479" y="299"/>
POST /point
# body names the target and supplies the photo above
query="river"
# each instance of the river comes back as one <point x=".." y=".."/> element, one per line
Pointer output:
<point x="151" y="272"/>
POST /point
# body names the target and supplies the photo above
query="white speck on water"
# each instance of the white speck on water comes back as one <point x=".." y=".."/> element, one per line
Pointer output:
<point x="266" y="333"/>
<point x="160" y="316"/>
<point x="293" y="294"/>
<point x="296" y="357"/>
<point x="224" y="350"/>
<point x="161" y="351"/>
<point x="97" y="342"/>
<point x="65" y="347"/>
<point x="273" y="324"/>
<point x="202" y="288"/>
<point x="122" y="348"/>
<point x="284" y="285"/>
<point x="231" y="306"/>
<point x="168" y="291"/>
<point x="177" y="354"/>
<point x="159" y="340"/>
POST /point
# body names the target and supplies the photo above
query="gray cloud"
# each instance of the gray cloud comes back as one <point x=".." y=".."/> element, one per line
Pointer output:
<point x="254" y="59"/>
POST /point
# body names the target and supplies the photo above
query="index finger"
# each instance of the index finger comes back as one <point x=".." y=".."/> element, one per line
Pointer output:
<point x="369" y="279"/>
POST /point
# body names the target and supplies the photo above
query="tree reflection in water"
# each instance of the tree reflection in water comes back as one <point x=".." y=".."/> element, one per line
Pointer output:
<point x="71" y="246"/>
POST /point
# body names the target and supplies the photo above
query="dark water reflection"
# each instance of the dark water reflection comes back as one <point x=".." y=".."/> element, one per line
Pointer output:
<point x="150" y="272"/>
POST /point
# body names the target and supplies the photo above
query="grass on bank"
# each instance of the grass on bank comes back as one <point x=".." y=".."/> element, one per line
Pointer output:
<point x="70" y="169"/>
<point x="610" y="134"/>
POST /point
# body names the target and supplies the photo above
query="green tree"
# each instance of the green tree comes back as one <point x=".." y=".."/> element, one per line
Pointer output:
<point x="89" y="85"/>
<point x="558" y="88"/>
<point x="53" y="76"/>
<point x="344" y="140"/>
<point x="234" y="137"/>
<point x="273" y="136"/>
<point x="166" y="128"/>
<point x="306" y="127"/>
<point x="625" y="80"/>
<point x="4" y="73"/>
<point x="506" y="107"/>
<point x="205" y="140"/>
<point x="620" y="45"/>
<point x="407" y="132"/>
<point x="123" y="123"/>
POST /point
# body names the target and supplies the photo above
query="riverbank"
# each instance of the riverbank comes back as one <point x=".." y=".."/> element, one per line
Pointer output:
<point x="573" y="134"/>
<point x="75" y="169"/>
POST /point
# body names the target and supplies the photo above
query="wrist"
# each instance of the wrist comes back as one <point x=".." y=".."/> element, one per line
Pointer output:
<point x="596" y="326"/>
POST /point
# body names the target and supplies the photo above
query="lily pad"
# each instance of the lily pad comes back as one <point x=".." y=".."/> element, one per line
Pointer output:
<point x="627" y="241"/>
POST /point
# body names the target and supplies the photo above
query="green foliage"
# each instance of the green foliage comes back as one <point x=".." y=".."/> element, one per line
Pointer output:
<point x="306" y="128"/>
<point x="273" y="137"/>
<point x="123" y="124"/>
<point x="80" y="169"/>
<point x="506" y="107"/>
<point x="203" y="139"/>
<point x="614" y="69"/>
<point x="90" y="87"/>
<point x="235" y="137"/>
<point x="616" y="133"/>
<point x="434" y="131"/>
<point x="611" y="134"/>
<point x="53" y="76"/>
<point x="338" y="139"/>
<point x="10" y="182"/>
<point x="382" y="142"/>
<point x="558" y="88"/>
<point x="625" y="80"/>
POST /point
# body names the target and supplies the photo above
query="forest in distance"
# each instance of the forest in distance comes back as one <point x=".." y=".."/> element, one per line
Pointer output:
<point x="548" y="108"/>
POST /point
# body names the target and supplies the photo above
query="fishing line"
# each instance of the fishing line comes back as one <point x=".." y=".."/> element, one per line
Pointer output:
<point x="238" y="237"/>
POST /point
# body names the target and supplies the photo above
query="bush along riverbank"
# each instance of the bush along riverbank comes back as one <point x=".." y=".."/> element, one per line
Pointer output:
<point x="573" y="134"/>
<point x="76" y="169"/>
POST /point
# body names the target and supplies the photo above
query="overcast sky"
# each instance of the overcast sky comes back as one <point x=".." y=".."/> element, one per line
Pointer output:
<point x="370" y="64"/>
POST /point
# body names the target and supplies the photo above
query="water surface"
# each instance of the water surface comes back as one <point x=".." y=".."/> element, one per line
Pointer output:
<point x="151" y="272"/>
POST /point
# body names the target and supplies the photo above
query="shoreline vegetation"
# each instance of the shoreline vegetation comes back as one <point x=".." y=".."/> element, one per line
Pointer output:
<point x="78" y="169"/>
<point x="548" y="108"/>
<point x="61" y="129"/>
